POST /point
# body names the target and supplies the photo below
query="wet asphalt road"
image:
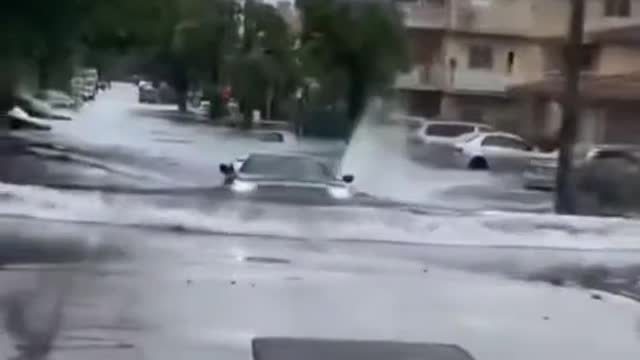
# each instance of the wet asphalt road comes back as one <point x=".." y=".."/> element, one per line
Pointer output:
<point x="165" y="269"/>
<point x="115" y="143"/>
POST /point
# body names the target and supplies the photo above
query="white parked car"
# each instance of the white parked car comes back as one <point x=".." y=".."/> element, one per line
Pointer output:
<point x="495" y="151"/>
<point x="435" y="140"/>
<point x="57" y="99"/>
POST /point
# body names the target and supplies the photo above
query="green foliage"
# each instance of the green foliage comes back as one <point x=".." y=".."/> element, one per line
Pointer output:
<point x="352" y="47"/>
<point x="264" y="70"/>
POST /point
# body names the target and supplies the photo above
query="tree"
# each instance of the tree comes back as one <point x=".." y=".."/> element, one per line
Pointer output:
<point x="358" y="46"/>
<point x="48" y="41"/>
<point x="565" y="184"/>
<point x="264" y="70"/>
<point x="206" y="33"/>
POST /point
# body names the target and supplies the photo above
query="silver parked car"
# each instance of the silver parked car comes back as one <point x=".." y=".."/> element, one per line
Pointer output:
<point x="541" y="171"/>
<point x="493" y="151"/>
<point x="434" y="140"/>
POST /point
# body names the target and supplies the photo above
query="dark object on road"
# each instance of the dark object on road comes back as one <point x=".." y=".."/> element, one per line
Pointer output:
<point x="320" y="349"/>
<point x="292" y="176"/>
<point x="596" y="296"/>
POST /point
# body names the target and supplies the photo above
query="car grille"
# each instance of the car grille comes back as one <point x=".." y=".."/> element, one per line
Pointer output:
<point x="292" y="193"/>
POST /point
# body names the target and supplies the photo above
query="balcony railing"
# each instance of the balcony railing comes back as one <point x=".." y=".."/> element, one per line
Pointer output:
<point x="478" y="81"/>
<point x="423" y="15"/>
<point x="421" y="78"/>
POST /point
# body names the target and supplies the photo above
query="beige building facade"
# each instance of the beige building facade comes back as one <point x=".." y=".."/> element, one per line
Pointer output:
<point x="470" y="55"/>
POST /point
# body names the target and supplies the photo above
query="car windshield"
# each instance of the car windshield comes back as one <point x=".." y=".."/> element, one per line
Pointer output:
<point x="287" y="168"/>
<point x="320" y="179"/>
<point x="448" y="130"/>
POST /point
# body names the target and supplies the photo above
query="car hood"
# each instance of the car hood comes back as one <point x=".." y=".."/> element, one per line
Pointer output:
<point x="281" y="181"/>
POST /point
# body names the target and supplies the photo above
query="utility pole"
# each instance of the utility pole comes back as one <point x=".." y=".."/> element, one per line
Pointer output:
<point x="565" y="182"/>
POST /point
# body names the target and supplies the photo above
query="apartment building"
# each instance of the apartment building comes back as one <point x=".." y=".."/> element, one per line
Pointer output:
<point x="498" y="61"/>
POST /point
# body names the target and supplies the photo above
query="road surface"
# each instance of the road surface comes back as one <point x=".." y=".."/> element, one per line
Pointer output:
<point x="128" y="255"/>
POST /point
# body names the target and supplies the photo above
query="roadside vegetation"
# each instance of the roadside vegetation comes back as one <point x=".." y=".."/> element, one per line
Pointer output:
<point x="334" y="55"/>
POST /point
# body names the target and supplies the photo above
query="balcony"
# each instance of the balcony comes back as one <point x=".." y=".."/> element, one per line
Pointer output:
<point x="486" y="17"/>
<point x="421" y="78"/>
<point x="478" y="81"/>
<point x="423" y="15"/>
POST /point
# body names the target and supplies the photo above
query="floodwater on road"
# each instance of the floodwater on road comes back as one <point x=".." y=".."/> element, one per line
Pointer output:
<point x="129" y="252"/>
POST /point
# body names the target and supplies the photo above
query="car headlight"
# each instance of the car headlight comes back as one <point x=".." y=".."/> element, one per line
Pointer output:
<point x="339" y="192"/>
<point x="243" y="186"/>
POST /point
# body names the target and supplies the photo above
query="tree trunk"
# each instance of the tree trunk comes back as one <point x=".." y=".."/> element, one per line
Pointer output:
<point x="565" y="182"/>
<point x="269" y="103"/>
<point x="182" y="100"/>
<point x="7" y="83"/>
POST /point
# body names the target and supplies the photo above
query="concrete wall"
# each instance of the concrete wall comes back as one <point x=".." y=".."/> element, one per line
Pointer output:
<point x="499" y="112"/>
<point x="528" y="65"/>
<point x="491" y="16"/>
<point x="425" y="46"/>
<point x="530" y="17"/>
<point x="621" y="123"/>
<point x="616" y="59"/>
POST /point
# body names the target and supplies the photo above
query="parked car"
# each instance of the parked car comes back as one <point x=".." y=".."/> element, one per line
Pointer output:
<point x="104" y="85"/>
<point x="498" y="151"/>
<point x="56" y="99"/>
<point x="434" y="140"/>
<point x="147" y="93"/>
<point x="275" y="136"/>
<point x="608" y="182"/>
<point x="89" y="83"/>
<point x="38" y="108"/>
<point x="16" y="119"/>
<point x="541" y="170"/>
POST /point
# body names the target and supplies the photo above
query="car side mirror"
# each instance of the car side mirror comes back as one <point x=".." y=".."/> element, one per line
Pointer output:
<point x="226" y="169"/>
<point x="348" y="179"/>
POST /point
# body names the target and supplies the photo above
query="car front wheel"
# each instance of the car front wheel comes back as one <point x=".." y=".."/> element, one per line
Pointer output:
<point x="478" y="163"/>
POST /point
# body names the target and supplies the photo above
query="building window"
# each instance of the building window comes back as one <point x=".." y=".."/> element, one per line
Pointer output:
<point x="511" y="58"/>
<point x="480" y="57"/>
<point x="617" y="8"/>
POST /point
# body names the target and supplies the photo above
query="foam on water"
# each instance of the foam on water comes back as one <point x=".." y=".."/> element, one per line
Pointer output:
<point x="335" y="223"/>
<point x="377" y="155"/>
